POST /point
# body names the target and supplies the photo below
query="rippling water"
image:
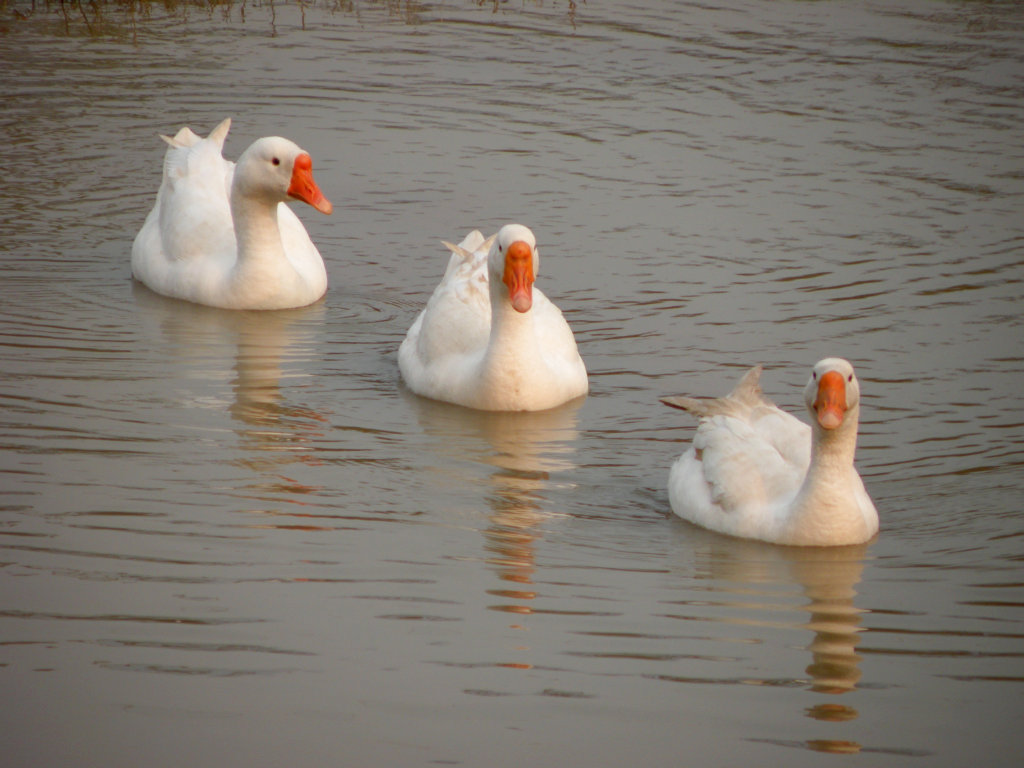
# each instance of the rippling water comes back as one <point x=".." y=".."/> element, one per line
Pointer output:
<point x="235" y="539"/>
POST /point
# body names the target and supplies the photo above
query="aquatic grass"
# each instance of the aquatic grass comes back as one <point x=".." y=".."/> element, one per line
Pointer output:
<point x="121" y="17"/>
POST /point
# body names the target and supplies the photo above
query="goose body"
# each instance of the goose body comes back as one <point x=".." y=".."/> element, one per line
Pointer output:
<point x="488" y="339"/>
<point x="757" y="472"/>
<point x="220" y="233"/>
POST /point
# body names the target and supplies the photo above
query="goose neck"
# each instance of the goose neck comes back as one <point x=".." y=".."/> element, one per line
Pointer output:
<point x="256" y="228"/>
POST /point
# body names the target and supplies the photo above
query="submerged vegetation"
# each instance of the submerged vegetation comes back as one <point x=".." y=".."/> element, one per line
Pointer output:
<point x="118" y="17"/>
<point x="105" y="16"/>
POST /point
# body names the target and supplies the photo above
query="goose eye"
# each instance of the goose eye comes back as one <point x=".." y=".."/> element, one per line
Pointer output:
<point x="276" y="161"/>
<point x="850" y="377"/>
<point x="814" y="375"/>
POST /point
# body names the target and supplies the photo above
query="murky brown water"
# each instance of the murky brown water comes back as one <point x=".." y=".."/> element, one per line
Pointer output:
<point x="234" y="539"/>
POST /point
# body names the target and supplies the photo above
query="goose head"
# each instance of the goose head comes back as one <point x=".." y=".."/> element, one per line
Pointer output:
<point x="832" y="393"/>
<point x="275" y="169"/>
<point x="513" y="260"/>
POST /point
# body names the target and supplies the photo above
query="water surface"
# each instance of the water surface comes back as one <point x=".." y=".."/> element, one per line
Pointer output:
<point x="234" y="538"/>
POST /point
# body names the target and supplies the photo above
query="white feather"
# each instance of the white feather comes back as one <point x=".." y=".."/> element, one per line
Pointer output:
<point x="470" y="347"/>
<point x="758" y="472"/>
<point x="189" y="246"/>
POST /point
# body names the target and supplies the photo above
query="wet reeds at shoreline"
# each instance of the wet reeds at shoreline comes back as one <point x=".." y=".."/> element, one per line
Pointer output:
<point x="121" y="18"/>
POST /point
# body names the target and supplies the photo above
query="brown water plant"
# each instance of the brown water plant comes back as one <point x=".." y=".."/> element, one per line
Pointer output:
<point x="120" y="18"/>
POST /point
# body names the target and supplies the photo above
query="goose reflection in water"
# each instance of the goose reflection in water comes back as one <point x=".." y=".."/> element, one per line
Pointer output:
<point x="248" y="351"/>
<point x="525" y="449"/>
<point x="828" y="577"/>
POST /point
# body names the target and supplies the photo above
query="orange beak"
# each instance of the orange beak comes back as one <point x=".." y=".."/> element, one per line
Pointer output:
<point x="830" y="404"/>
<point x="519" y="276"/>
<point x="304" y="188"/>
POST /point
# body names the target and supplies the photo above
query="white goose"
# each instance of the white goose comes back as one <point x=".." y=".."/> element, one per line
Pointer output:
<point x="221" y="235"/>
<point x="756" y="471"/>
<point x="487" y="338"/>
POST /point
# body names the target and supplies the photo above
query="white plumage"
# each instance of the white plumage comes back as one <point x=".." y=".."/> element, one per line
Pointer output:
<point x="758" y="472"/>
<point x="221" y="235"/>
<point x="487" y="338"/>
